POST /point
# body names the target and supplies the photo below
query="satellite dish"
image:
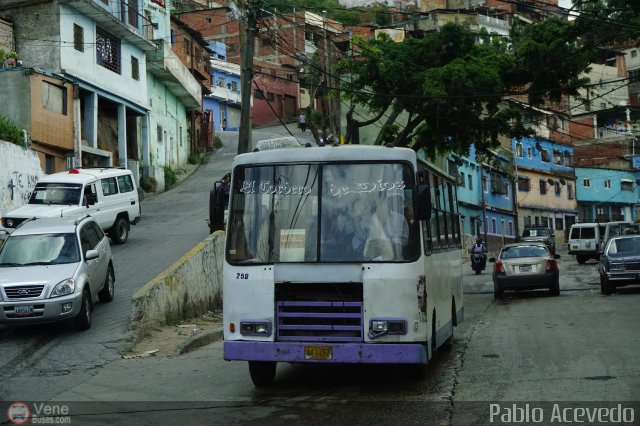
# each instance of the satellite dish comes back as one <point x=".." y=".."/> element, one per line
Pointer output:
<point x="562" y="182"/>
<point x="550" y="181"/>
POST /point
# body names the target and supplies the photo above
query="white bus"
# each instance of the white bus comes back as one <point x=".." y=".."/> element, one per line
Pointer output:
<point x="339" y="254"/>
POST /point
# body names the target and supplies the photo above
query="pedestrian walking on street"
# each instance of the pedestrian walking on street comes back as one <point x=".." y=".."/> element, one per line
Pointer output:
<point x="302" y="121"/>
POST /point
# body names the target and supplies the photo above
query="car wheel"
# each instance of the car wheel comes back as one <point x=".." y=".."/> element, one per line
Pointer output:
<point x="262" y="372"/>
<point x="106" y="294"/>
<point x="497" y="291"/>
<point x="555" y="288"/>
<point x="120" y="231"/>
<point x="581" y="259"/>
<point x="83" y="319"/>
<point x="608" y="286"/>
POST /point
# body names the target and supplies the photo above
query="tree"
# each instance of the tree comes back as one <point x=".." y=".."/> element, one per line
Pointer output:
<point x="450" y="88"/>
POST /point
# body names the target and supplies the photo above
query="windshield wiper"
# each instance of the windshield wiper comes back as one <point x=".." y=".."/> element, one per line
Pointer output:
<point x="36" y="263"/>
<point x="10" y="264"/>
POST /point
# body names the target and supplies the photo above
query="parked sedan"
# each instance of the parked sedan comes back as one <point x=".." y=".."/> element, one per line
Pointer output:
<point x="53" y="269"/>
<point x="525" y="266"/>
<point x="619" y="263"/>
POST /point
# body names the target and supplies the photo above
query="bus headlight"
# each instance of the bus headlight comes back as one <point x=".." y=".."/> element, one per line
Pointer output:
<point x="255" y="328"/>
<point x="378" y="327"/>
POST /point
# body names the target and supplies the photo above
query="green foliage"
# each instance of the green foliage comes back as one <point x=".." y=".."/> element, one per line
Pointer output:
<point x="170" y="177"/>
<point x="10" y="131"/>
<point x="171" y="318"/>
<point x="452" y="89"/>
<point x="217" y="142"/>
<point x="194" y="158"/>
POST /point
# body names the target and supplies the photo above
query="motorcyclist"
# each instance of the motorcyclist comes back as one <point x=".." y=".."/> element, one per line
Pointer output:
<point x="480" y="248"/>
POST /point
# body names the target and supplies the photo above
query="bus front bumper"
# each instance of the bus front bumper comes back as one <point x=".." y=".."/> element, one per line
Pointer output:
<point x="347" y="353"/>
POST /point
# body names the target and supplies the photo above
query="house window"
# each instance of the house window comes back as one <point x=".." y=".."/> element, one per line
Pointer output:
<point x="107" y="51"/>
<point x="519" y="151"/>
<point x="54" y="98"/>
<point x="529" y="153"/>
<point x="506" y="190"/>
<point x="524" y="184"/>
<point x="484" y="184"/>
<point x="135" y="68"/>
<point x="557" y="157"/>
<point x="586" y="183"/>
<point x="527" y="221"/>
<point x="461" y="179"/>
<point x="493" y="226"/>
<point x="634" y="53"/>
<point x="159" y="131"/>
<point x="258" y="94"/>
<point x="173" y="37"/>
<point x="607" y="183"/>
<point x="234" y="86"/>
<point x="545" y="156"/>
<point x="510" y="228"/>
<point x="559" y="224"/>
<point x="470" y="178"/>
<point x="626" y="185"/>
<point x="133" y="13"/>
<point x="543" y="187"/>
<point x="570" y="191"/>
<point x="557" y="185"/>
<point x="270" y="96"/>
<point x="207" y="19"/>
<point x="78" y="38"/>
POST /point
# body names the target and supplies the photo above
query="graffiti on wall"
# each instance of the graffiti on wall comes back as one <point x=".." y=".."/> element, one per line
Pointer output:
<point x="19" y="171"/>
<point x="21" y="185"/>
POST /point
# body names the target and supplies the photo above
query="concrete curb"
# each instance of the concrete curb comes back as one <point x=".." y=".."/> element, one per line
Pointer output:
<point x="199" y="340"/>
<point x="190" y="287"/>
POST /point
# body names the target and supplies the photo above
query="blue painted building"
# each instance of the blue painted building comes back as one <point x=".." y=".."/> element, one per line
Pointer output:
<point x="224" y="100"/>
<point x="467" y="171"/>
<point x="546" y="185"/>
<point x="497" y="199"/>
<point x="605" y="194"/>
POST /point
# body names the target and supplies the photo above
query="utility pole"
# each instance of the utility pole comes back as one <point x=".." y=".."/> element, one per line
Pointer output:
<point x="248" y="30"/>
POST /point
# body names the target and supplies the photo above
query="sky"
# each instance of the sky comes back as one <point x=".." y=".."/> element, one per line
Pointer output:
<point x="564" y="3"/>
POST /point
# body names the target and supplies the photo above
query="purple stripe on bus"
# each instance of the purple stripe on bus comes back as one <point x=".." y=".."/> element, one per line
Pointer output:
<point x="338" y="304"/>
<point x="317" y="315"/>
<point x="321" y="327"/>
<point x="365" y="353"/>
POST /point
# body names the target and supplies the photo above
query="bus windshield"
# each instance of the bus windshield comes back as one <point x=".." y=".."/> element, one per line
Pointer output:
<point x="342" y="212"/>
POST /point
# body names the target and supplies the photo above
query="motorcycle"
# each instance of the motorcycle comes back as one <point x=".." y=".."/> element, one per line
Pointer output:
<point x="478" y="262"/>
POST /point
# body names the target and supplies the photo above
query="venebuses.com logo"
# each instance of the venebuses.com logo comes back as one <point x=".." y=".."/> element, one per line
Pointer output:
<point x="18" y="413"/>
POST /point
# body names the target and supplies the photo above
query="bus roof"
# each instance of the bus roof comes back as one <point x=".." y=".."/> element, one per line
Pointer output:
<point x="328" y="153"/>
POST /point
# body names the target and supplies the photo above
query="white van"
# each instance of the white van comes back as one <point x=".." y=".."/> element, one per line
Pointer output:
<point x="616" y="229"/>
<point x="109" y="195"/>
<point x="585" y="240"/>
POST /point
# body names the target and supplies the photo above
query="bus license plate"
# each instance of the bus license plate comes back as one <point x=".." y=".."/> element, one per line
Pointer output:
<point x="318" y="352"/>
<point x="525" y="268"/>
<point x="23" y="311"/>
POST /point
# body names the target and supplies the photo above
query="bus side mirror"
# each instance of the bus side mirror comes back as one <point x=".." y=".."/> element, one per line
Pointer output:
<point x="423" y="203"/>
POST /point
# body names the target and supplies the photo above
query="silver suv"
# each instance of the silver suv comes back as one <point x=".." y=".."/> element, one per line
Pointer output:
<point x="539" y="234"/>
<point x="53" y="269"/>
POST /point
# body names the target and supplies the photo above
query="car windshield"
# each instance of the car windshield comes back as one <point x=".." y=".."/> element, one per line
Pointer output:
<point x="535" y="232"/>
<point x="56" y="193"/>
<point x="625" y="247"/>
<point x="40" y="249"/>
<point x="523" y="251"/>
